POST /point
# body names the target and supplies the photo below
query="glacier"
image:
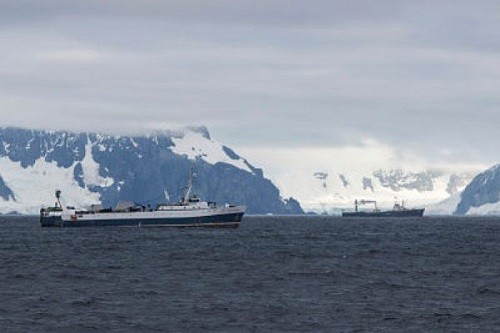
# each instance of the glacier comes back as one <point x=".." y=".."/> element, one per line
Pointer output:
<point x="327" y="180"/>
<point x="329" y="191"/>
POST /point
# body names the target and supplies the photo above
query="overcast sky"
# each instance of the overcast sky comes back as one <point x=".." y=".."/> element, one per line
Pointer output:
<point x="419" y="76"/>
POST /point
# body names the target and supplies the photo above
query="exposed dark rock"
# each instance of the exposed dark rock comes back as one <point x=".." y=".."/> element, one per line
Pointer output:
<point x="484" y="189"/>
<point x="144" y="168"/>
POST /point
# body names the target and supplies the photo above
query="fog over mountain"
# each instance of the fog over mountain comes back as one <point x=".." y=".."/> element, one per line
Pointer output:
<point x="149" y="169"/>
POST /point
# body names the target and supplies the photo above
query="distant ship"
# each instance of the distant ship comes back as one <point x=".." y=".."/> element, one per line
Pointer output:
<point x="398" y="210"/>
<point x="190" y="211"/>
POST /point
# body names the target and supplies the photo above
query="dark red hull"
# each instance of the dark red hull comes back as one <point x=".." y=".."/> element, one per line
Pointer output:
<point x="386" y="213"/>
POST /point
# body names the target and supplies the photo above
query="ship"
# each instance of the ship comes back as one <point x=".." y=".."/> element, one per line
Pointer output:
<point x="190" y="211"/>
<point x="399" y="210"/>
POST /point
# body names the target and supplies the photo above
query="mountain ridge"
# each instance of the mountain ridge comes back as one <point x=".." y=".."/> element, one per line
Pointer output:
<point x="106" y="168"/>
<point x="482" y="195"/>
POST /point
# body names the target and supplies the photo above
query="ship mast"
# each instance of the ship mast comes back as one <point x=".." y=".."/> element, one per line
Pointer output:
<point x="189" y="187"/>
<point x="58" y="198"/>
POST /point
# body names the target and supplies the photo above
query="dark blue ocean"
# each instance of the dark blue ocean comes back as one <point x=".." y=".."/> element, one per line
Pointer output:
<point x="271" y="274"/>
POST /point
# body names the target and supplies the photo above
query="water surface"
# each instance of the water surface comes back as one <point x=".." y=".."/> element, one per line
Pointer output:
<point x="273" y="273"/>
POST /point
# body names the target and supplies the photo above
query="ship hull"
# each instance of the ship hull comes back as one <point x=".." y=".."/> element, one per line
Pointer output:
<point x="388" y="213"/>
<point x="146" y="219"/>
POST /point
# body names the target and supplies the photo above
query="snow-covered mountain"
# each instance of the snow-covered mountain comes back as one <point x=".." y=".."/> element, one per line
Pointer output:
<point x="94" y="168"/>
<point x="482" y="195"/>
<point x="332" y="191"/>
<point x="327" y="179"/>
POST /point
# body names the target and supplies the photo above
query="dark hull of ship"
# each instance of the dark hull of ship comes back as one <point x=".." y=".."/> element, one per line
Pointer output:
<point x="387" y="213"/>
<point x="231" y="220"/>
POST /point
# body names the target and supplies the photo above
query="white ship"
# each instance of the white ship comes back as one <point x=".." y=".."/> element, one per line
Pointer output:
<point x="190" y="211"/>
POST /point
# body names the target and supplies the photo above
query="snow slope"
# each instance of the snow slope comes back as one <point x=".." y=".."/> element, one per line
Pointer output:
<point x="92" y="168"/>
<point x="331" y="192"/>
<point x="445" y="207"/>
<point x="195" y="145"/>
<point x="328" y="180"/>
<point x="34" y="186"/>
<point x="486" y="209"/>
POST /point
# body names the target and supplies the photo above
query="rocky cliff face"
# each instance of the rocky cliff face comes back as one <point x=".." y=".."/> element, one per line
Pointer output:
<point x="92" y="168"/>
<point x="482" y="195"/>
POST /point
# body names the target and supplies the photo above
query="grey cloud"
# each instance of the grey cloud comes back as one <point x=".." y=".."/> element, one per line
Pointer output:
<point x="252" y="12"/>
<point x="257" y="11"/>
<point x="272" y="73"/>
